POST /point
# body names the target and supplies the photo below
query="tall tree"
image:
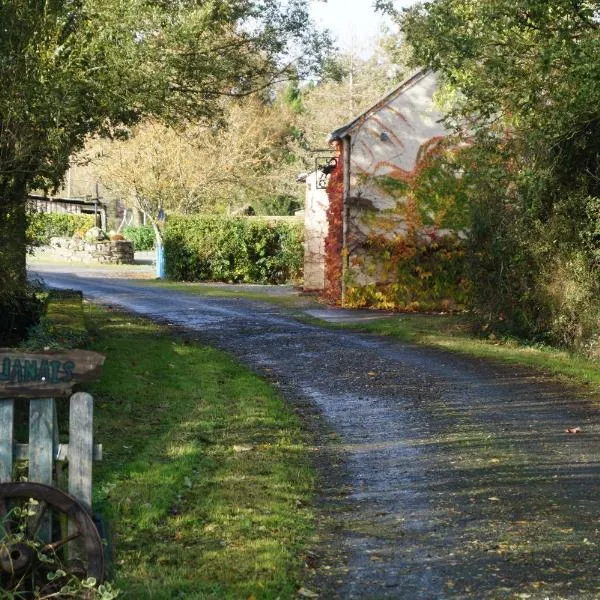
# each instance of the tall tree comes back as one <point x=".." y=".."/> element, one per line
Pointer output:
<point x="71" y="68"/>
<point x="201" y="169"/>
<point x="522" y="77"/>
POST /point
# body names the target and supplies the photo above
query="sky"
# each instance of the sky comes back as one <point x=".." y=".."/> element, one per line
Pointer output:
<point x="354" y="23"/>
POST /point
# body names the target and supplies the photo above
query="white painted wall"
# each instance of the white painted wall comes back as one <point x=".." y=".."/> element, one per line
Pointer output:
<point x="407" y="123"/>
<point x="315" y="231"/>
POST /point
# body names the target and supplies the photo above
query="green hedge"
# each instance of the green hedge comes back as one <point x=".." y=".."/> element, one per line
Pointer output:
<point x="43" y="226"/>
<point x="141" y="236"/>
<point x="244" y="250"/>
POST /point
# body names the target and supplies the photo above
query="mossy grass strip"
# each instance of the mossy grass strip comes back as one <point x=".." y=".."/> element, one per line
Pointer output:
<point x="206" y="478"/>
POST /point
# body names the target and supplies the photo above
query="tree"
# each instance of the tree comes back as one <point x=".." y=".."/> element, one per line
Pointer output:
<point x="198" y="168"/>
<point x="73" y="68"/>
<point x="353" y="84"/>
<point x="521" y="79"/>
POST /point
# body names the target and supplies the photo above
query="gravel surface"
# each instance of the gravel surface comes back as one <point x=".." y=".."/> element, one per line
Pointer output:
<point x="441" y="476"/>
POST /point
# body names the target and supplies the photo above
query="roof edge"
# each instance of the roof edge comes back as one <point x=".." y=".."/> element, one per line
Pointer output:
<point x="341" y="132"/>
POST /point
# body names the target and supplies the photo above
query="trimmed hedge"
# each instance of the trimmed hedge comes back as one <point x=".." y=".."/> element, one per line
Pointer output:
<point x="142" y="236"/>
<point x="43" y="226"/>
<point x="240" y="250"/>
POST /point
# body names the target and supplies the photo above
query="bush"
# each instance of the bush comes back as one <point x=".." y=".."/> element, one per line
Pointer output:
<point x="243" y="250"/>
<point x="534" y="250"/>
<point x="20" y="308"/>
<point x="142" y="236"/>
<point x="43" y="226"/>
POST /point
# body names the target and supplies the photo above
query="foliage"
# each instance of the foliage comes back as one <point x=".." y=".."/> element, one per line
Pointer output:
<point x="43" y="226"/>
<point x="285" y="205"/>
<point x="142" y="236"/>
<point x="20" y="308"/>
<point x="70" y="70"/>
<point x="416" y="252"/>
<point x="334" y="242"/>
<point x="244" y="250"/>
<point x="196" y="168"/>
<point x="61" y="583"/>
<point x="520" y="77"/>
<point x="426" y="273"/>
<point x="62" y="325"/>
<point x="207" y="474"/>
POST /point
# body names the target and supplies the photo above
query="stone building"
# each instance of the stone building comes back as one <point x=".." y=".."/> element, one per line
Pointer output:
<point x="315" y="230"/>
<point x="378" y="154"/>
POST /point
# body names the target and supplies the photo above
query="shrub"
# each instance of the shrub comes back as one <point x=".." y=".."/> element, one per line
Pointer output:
<point x="20" y="308"/>
<point x="233" y="249"/>
<point x="43" y="226"/>
<point x="424" y="273"/>
<point x="141" y="236"/>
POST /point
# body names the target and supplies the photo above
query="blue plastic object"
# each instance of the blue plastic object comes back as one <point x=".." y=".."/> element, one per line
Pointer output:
<point x="160" y="262"/>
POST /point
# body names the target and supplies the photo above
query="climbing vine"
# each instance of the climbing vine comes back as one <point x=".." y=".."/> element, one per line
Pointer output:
<point x="413" y="257"/>
<point x="334" y="242"/>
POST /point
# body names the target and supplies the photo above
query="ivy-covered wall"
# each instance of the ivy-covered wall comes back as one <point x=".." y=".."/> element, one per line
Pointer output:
<point x="406" y="214"/>
<point x="334" y="242"/>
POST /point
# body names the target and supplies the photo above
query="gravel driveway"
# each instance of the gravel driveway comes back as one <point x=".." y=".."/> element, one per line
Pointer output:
<point x="441" y="476"/>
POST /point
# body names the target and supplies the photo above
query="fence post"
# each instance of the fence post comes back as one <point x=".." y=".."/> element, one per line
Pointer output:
<point x="7" y="410"/>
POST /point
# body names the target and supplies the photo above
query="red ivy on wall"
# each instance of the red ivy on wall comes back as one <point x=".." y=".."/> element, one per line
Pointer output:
<point x="334" y="242"/>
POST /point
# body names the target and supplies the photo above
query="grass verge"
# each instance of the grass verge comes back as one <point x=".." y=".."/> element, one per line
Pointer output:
<point x="456" y="334"/>
<point x="206" y="478"/>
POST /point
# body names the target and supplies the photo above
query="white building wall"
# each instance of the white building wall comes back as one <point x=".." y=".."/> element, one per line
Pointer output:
<point x="315" y="231"/>
<point x="389" y="142"/>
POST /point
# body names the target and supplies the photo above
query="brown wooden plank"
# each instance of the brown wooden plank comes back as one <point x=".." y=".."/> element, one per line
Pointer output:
<point x="81" y="447"/>
<point x="7" y="411"/>
<point x="46" y="374"/>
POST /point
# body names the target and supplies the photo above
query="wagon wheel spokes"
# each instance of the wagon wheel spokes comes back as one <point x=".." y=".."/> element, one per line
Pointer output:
<point x="34" y="527"/>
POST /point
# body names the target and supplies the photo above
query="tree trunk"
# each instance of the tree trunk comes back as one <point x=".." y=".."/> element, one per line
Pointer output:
<point x="13" y="242"/>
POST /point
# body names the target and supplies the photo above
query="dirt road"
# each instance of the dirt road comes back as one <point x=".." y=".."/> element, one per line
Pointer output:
<point x="441" y="476"/>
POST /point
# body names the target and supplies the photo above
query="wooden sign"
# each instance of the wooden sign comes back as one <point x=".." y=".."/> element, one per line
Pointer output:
<point x="46" y="374"/>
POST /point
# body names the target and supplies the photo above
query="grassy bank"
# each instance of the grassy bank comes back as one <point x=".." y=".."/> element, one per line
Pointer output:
<point x="205" y="477"/>
<point x="456" y="333"/>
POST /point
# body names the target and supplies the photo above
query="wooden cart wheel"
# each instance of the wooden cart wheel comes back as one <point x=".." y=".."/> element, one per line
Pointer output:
<point x="44" y="531"/>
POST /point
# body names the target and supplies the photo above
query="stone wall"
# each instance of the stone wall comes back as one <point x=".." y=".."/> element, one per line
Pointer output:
<point x="113" y="252"/>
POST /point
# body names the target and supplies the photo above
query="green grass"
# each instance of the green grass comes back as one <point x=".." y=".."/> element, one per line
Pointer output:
<point x="205" y="477"/>
<point x="457" y="333"/>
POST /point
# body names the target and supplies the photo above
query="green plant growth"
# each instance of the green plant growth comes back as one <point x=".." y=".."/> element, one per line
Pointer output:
<point x="206" y="478"/>
<point x="62" y="326"/>
<point x="43" y="226"/>
<point x="142" y="236"/>
<point x="20" y="309"/>
<point x="233" y="249"/>
<point x="51" y="574"/>
<point x="462" y="333"/>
